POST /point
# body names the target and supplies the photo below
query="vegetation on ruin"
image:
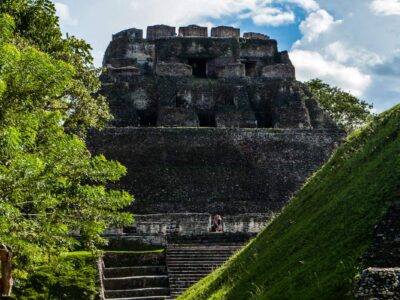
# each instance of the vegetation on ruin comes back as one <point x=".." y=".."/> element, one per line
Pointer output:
<point x="349" y="112"/>
<point x="50" y="185"/>
<point x="312" y="249"/>
<point x="70" y="276"/>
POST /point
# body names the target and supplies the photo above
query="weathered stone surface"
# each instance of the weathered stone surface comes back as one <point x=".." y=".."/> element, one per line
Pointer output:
<point x="160" y="31"/>
<point x="231" y="71"/>
<point x="225" y="32"/>
<point x="278" y="71"/>
<point x="122" y="73"/>
<point x="213" y="170"/>
<point x="381" y="278"/>
<point x="193" y="31"/>
<point x="255" y="35"/>
<point x="173" y="69"/>
<point x="177" y="117"/>
<point x="263" y="133"/>
<point x="132" y="34"/>
<point x="379" y="283"/>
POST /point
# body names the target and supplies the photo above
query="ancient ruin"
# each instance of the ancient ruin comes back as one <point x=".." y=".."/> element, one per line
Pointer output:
<point x="208" y="125"/>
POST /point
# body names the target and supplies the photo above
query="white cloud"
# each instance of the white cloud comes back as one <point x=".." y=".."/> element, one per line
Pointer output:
<point x="386" y="7"/>
<point x="273" y="17"/>
<point x="316" y="23"/>
<point x="261" y="12"/>
<point x="311" y="64"/>
<point x="63" y="12"/>
<point x="356" y="56"/>
<point x="309" y="5"/>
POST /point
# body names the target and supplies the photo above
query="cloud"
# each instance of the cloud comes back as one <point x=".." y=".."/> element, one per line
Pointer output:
<point x="316" y="23"/>
<point x="273" y="17"/>
<point x="386" y="7"/>
<point x="308" y="5"/>
<point x="63" y="12"/>
<point x="311" y="64"/>
<point x="261" y="12"/>
<point x="389" y="67"/>
<point x="354" y="56"/>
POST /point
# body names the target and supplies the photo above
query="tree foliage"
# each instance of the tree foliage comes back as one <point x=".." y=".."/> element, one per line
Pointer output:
<point x="37" y="25"/>
<point x="346" y="110"/>
<point x="50" y="185"/>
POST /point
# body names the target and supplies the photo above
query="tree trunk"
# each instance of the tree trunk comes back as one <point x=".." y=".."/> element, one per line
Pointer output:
<point x="6" y="281"/>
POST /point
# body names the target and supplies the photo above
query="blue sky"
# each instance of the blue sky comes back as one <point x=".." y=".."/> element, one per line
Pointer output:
<point x="353" y="44"/>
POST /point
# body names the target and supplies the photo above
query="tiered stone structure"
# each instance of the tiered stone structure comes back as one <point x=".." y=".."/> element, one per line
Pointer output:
<point x="381" y="278"/>
<point x="208" y="125"/>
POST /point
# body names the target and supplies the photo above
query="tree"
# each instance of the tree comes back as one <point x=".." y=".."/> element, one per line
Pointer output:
<point x="37" y="25"/>
<point x="347" y="111"/>
<point x="50" y="185"/>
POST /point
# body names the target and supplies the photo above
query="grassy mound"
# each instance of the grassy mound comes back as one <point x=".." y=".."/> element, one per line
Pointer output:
<point x="312" y="249"/>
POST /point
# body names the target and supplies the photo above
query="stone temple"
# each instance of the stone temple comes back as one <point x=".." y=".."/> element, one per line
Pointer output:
<point x="208" y="125"/>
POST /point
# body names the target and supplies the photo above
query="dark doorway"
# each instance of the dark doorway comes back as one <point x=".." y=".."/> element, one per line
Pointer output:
<point x="147" y="119"/>
<point x="206" y="119"/>
<point x="199" y="66"/>
<point x="264" y="120"/>
<point x="251" y="70"/>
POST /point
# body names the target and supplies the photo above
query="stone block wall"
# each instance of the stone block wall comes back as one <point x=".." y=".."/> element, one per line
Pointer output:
<point x="379" y="283"/>
<point x="131" y="34"/>
<point x="189" y="224"/>
<point x="213" y="170"/>
<point x="160" y="31"/>
<point x="193" y="31"/>
<point x="255" y="35"/>
<point x="381" y="278"/>
<point x="225" y="32"/>
<point x="231" y="71"/>
<point x="278" y="71"/>
<point x="177" y="117"/>
<point x="172" y="224"/>
<point x="173" y="69"/>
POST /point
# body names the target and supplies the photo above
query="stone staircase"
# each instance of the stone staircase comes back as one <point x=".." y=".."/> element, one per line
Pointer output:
<point x="190" y="261"/>
<point x="135" y="277"/>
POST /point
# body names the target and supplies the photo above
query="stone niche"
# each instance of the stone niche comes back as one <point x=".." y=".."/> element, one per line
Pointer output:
<point x="193" y="31"/>
<point x="160" y="31"/>
<point x="225" y="32"/>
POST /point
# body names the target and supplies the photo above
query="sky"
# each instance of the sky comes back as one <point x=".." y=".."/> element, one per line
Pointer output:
<point x="352" y="44"/>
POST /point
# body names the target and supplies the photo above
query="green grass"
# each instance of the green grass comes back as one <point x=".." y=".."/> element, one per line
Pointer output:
<point x="312" y="249"/>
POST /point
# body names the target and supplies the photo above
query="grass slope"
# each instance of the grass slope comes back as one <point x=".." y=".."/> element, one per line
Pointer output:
<point x="312" y="249"/>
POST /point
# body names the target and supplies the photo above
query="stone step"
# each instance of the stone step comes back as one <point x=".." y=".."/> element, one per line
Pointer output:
<point x="113" y="260"/>
<point x="178" y="269"/>
<point x="142" y="298"/>
<point x="134" y="282"/>
<point x="193" y="254"/>
<point x="205" y="247"/>
<point x="199" y="258"/>
<point x="193" y="263"/>
<point x="142" y="292"/>
<point x="134" y="271"/>
<point x="185" y="273"/>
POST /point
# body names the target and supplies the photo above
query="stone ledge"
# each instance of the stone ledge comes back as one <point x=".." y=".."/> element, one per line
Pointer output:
<point x="378" y="283"/>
